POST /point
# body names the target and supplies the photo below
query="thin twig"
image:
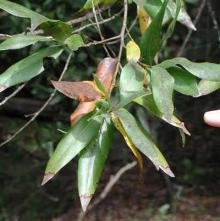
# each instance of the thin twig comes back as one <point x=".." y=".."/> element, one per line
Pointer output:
<point x="86" y="16"/>
<point x="100" y="22"/>
<point x="123" y="29"/>
<point x="112" y="182"/>
<point x="99" y="29"/>
<point x="42" y="108"/>
<point x="13" y="94"/>
<point x="108" y="40"/>
<point x="214" y="19"/>
<point x="199" y="13"/>
<point x="122" y="38"/>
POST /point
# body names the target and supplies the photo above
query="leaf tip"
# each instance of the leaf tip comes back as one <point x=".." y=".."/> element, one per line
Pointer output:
<point x="47" y="177"/>
<point x="85" y="200"/>
<point x="185" y="130"/>
<point x="2" y="88"/>
<point x="168" y="171"/>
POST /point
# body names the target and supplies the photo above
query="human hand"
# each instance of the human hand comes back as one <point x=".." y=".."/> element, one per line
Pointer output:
<point x="212" y="118"/>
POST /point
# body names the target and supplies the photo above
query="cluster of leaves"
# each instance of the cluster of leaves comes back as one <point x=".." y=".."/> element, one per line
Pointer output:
<point x="142" y="81"/>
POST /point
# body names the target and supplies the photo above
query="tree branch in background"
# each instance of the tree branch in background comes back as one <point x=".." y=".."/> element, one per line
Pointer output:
<point x="42" y="108"/>
<point x="87" y="16"/>
<point x="13" y="94"/>
<point x="187" y="38"/>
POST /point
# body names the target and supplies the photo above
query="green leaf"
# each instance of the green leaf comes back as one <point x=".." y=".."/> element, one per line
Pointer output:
<point x="92" y="161"/>
<point x="150" y="43"/>
<point x="185" y="83"/>
<point x="204" y="70"/>
<point x="23" y="12"/>
<point x="74" y="42"/>
<point x="149" y="104"/>
<point x="129" y="98"/>
<point x="142" y="141"/>
<point x="183" y="16"/>
<point x="101" y="87"/>
<point x="172" y="25"/>
<point x="206" y="87"/>
<point x="162" y="84"/>
<point x="21" y="41"/>
<point x="131" y="79"/>
<point x="27" y="68"/>
<point x="59" y="30"/>
<point x="78" y="137"/>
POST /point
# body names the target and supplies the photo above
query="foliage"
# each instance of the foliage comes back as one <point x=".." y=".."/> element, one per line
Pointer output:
<point x="143" y="80"/>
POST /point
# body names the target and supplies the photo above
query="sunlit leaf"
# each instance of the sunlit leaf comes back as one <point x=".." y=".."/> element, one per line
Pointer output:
<point x="21" y="41"/>
<point x="78" y="137"/>
<point x="142" y="141"/>
<point x="162" y="84"/>
<point x="92" y="161"/>
<point x="133" y="51"/>
<point x="27" y="68"/>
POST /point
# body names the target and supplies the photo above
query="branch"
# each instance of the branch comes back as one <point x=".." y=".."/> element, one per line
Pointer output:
<point x="122" y="37"/>
<point x="99" y="29"/>
<point x="100" y="22"/>
<point x="183" y="47"/>
<point x="86" y="16"/>
<point x="108" y="40"/>
<point x="42" y="108"/>
<point x="13" y="94"/>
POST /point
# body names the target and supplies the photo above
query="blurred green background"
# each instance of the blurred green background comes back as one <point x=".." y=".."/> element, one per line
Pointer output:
<point x="195" y="192"/>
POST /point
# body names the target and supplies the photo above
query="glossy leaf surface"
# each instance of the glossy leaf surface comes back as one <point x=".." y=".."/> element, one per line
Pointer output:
<point x="185" y="83"/>
<point x="27" y="68"/>
<point x="21" y="41"/>
<point x="142" y="141"/>
<point x="162" y="84"/>
<point x="92" y="161"/>
<point x="79" y="136"/>
<point x="204" y="70"/>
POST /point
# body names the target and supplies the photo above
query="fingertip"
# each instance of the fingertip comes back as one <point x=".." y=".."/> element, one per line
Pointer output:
<point x="212" y="118"/>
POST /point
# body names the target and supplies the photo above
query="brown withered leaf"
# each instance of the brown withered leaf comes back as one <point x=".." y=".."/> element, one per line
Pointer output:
<point x="82" y="109"/>
<point x="106" y="72"/>
<point x="82" y="91"/>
